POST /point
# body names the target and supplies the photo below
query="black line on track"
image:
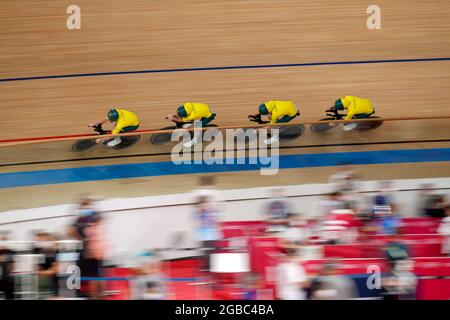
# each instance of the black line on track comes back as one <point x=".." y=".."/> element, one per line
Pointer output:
<point x="237" y="67"/>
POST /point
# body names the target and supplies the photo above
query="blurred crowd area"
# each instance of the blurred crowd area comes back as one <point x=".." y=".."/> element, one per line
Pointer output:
<point x="42" y="267"/>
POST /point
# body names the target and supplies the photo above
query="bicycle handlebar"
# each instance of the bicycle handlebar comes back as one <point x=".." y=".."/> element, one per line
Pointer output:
<point x="98" y="128"/>
<point x="257" y="118"/>
<point x="333" y="112"/>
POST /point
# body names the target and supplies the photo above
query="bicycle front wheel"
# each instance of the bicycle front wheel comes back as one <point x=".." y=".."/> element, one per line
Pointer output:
<point x="163" y="137"/>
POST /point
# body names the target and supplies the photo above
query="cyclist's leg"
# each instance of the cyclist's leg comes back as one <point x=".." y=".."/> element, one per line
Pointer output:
<point x="195" y="134"/>
<point x="114" y="142"/>
<point x="206" y="121"/>
<point x="286" y="119"/>
<point x="185" y="125"/>
<point x="129" y="129"/>
<point x="351" y="126"/>
<point x="362" y="115"/>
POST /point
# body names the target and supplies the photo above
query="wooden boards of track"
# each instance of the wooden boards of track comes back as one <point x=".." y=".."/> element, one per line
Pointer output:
<point x="123" y="35"/>
<point x="135" y="35"/>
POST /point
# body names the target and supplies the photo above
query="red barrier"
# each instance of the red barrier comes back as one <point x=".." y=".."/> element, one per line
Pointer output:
<point x="233" y="229"/>
<point x="420" y="225"/>
<point x="352" y="251"/>
<point x="120" y="289"/>
<point x="409" y="238"/>
<point x="439" y="267"/>
<point x="425" y="247"/>
<point x="347" y="266"/>
<point x="433" y="288"/>
<point x="258" y="248"/>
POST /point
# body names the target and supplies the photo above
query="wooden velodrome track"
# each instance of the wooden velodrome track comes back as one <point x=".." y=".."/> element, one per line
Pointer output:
<point x="119" y="37"/>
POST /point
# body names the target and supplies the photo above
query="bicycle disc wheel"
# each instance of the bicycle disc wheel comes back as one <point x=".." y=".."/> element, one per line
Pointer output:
<point x="369" y="125"/>
<point x="289" y="133"/>
<point x="322" y="127"/>
<point x="82" y="145"/>
<point x="163" y="137"/>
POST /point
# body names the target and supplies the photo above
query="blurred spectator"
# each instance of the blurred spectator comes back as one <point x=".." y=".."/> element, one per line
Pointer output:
<point x="152" y="291"/>
<point x="325" y="206"/>
<point x="150" y="281"/>
<point x="331" y="284"/>
<point x="332" y="230"/>
<point x="46" y="245"/>
<point x="425" y="190"/>
<point x="384" y="196"/>
<point x="339" y="228"/>
<point x="85" y="205"/>
<point x="395" y="251"/>
<point x="346" y="183"/>
<point x="436" y="206"/>
<point x="6" y="267"/>
<point x="406" y="280"/>
<point x="207" y="188"/>
<point x="401" y="282"/>
<point x="277" y="211"/>
<point x="296" y="231"/>
<point x="388" y="222"/>
<point x="88" y="229"/>
<point x="291" y="278"/>
<point x="345" y="180"/>
<point x="85" y="213"/>
<point x="207" y="227"/>
<point x="93" y="254"/>
<point x="444" y="230"/>
<point x="430" y="203"/>
<point x="332" y="202"/>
